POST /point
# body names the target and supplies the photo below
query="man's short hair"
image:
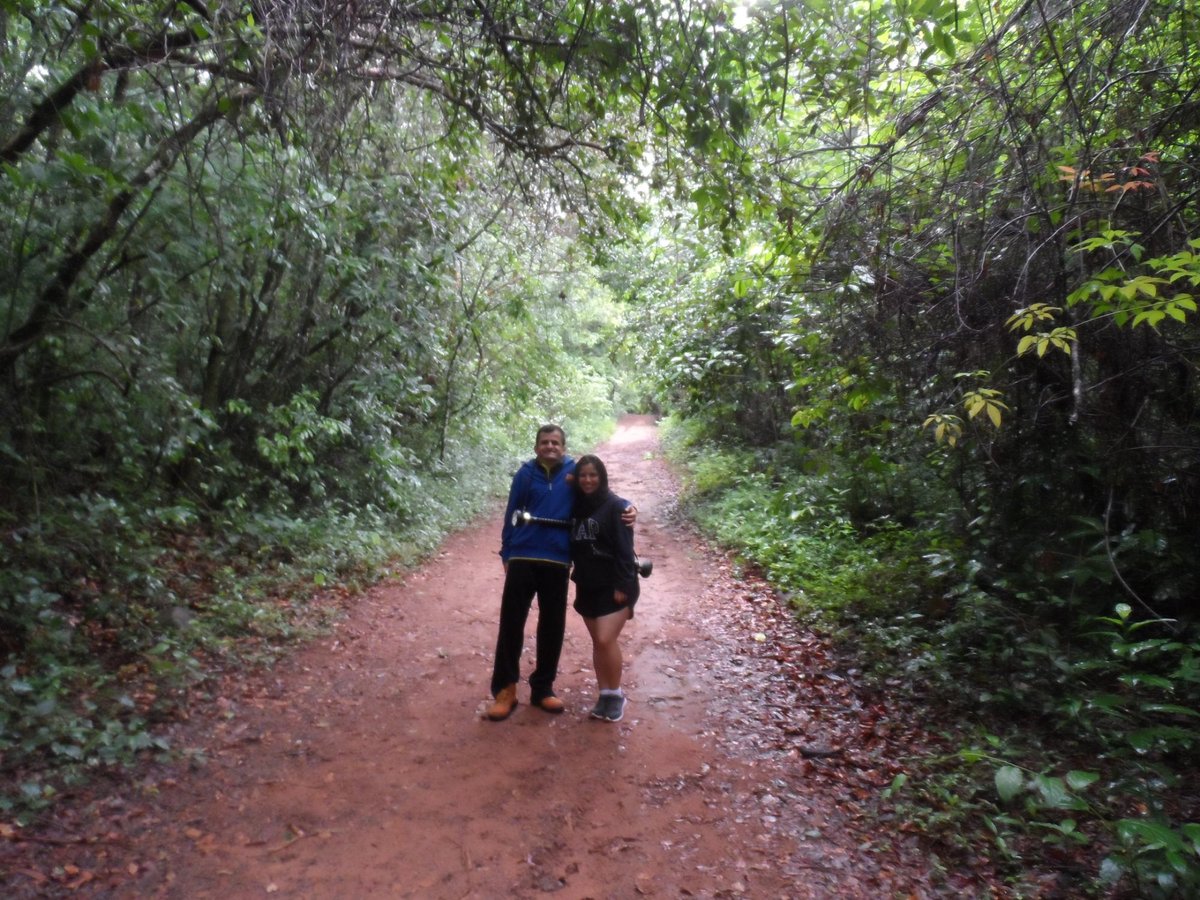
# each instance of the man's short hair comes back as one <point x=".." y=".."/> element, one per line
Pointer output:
<point x="547" y="429"/>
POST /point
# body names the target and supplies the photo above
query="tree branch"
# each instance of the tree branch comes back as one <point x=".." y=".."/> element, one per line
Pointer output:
<point x="46" y="113"/>
<point x="58" y="291"/>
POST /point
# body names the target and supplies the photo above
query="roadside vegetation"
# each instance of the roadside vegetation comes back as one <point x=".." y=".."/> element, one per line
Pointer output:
<point x="1074" y="743"/>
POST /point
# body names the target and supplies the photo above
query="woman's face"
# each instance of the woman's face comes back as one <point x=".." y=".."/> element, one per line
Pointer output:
<point x="587" y="478"/>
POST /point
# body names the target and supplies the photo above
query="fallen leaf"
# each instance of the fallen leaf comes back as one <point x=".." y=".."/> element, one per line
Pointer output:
<point x="79" y="882"/>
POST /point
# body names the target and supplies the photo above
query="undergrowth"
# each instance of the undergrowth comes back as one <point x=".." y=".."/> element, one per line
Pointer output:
<point x="119" y="631"/>
<point x="1076" y="730"/>
<point x="125" y="608"/>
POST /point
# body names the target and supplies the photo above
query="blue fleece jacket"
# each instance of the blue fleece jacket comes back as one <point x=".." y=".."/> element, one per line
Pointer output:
<point x="548" y="495"/>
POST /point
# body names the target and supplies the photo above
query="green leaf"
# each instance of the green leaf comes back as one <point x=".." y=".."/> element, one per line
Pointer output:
<point x="1141" y="679"/>
<point x="1151" y="835"/>
<point x="1055" y="794"/>
<point x="943" y="41"/>
<point x="1191" y="832"/>
<point x="1078" y="780"/>
<point x="1170" y="708"/>
<point x="1009" y="782"/>
<point x="1146" y="739"/>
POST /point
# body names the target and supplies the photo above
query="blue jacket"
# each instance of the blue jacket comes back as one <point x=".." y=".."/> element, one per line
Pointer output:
<point x="548" y="495"/>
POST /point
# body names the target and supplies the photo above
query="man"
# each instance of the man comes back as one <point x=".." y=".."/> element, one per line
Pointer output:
<point x="536" y="561"/>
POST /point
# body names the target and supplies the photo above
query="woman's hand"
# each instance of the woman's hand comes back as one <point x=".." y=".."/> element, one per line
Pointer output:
<point x="629" y="515"/>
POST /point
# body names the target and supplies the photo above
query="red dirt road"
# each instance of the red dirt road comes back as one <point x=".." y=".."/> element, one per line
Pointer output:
<point x="362" y="766"/>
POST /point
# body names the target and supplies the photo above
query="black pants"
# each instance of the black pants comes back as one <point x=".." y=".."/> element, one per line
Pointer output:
<point x="523" y="580"/>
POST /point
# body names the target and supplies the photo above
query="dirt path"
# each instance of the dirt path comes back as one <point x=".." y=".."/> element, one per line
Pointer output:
<point x="362" y="767"/>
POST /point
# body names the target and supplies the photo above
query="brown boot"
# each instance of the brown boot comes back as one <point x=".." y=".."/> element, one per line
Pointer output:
<point x="549" y="703"/>
<point x="504" y="704"/>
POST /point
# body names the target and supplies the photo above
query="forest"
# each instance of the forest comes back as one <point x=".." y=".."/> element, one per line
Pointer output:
<point x="288" y="284"/>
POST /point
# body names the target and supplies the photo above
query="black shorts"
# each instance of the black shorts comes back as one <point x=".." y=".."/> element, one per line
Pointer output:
<point x="592" y="603"/>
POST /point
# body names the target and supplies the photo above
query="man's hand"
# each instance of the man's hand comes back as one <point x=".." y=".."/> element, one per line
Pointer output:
<point x="620" y="598"/>
<point x="629" y="515"/>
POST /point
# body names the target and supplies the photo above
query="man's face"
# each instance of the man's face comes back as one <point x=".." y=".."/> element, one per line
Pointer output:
<point x="550" y="448"/>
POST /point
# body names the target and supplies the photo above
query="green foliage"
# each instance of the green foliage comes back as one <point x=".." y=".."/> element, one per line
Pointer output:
<point x="118" y="615"/>
<point x="798" y="529"/>
<point x="265" y="332"/>
<point x="1132" y="300"/>
<point x="1131" y="701"/>
<point x="983" y="221"/>
<point x="1161" y="861"/>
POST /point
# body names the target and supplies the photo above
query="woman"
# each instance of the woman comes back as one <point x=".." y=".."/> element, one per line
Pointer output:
<point x="605" y="576"/>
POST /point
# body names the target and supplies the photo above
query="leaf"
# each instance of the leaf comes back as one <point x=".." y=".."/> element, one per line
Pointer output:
<point x="1151" y="835"/>
<point x="1191" y="832"/>
<point x="944" y="41"/>
<point x="1055" y="794"/>
<point x="1009" y="782"/>
<point x="1111" y="871"/>
<point x="1146" y="739"/>
<point x="1170" y="708"/>
<point x="1139" y="679"/>
<point x="1078" y="780"/>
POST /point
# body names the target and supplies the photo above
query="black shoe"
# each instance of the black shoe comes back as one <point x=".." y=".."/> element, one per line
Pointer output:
<point x="598" y="710"/>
